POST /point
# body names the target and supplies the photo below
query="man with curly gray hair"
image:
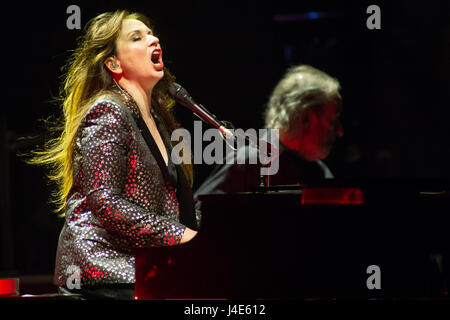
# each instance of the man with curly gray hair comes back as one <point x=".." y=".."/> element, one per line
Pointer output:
<point x="305" y="107"/>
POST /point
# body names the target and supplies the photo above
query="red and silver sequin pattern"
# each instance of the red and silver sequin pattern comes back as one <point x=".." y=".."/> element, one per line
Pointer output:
<point x="119" y="200"/>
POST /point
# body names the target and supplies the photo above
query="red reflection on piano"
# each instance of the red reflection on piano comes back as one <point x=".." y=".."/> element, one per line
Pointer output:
<point x="344" y="196"/>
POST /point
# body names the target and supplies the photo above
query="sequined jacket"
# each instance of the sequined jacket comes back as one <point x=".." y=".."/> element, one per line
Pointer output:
<point x="122" y="197"/>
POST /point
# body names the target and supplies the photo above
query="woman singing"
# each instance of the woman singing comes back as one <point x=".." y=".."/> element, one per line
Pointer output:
<point x="119" y="189"/>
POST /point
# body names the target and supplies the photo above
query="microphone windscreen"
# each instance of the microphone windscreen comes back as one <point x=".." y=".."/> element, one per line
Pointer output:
<point x="174" y="88"/>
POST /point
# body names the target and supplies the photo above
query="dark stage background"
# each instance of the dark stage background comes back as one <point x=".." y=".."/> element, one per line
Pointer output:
<point x="229" y="55"/>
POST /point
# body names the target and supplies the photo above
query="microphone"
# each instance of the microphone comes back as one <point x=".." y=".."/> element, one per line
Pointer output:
<point x="180" y="95"/>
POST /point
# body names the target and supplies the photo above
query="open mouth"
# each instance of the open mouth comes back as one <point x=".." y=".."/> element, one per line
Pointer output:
<point x="156" y="57"/>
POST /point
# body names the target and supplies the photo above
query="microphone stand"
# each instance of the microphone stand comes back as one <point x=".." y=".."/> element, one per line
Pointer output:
<point x="264" y="179"/>
<point x="181" y="95"/>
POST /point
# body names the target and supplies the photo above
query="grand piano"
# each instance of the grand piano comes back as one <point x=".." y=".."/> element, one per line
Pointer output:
<point x="309" y="242"/>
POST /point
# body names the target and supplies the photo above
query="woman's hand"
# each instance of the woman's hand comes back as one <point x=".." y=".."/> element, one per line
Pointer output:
<point x="188" y="235"/>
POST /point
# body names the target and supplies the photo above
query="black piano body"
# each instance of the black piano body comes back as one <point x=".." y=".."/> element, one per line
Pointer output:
<point x="310" y="242"/>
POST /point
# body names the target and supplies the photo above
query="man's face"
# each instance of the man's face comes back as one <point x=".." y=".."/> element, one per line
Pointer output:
<point x="317" y="132"/>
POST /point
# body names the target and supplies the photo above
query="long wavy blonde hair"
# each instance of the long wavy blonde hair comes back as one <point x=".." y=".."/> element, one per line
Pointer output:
<point x="86" y="78"/>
